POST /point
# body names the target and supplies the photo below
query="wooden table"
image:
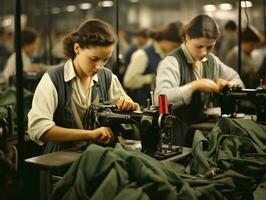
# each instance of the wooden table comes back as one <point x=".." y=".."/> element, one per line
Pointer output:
<point x="53" y="160"/>
<point x="45" y="164"/>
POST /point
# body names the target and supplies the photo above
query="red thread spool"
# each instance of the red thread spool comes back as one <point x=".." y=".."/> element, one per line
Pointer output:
<point x="163" y="104"/>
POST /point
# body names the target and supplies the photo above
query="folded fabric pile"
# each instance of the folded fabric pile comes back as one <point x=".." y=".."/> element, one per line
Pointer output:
<point x="225" y="164"/>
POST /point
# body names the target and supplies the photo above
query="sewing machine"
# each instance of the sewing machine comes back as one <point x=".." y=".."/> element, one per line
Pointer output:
<point x="155" y="128"/>
<point x="230" y="99"/>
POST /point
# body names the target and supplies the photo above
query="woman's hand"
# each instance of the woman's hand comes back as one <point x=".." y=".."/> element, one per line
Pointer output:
<point x="127" y="104"/>
<point x="205" y="85"/>
<point x="103" y="135"/>
<point x="224" y="83"/>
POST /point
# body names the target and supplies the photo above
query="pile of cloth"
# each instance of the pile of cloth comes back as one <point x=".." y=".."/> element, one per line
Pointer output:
<point x="227" y="163"/>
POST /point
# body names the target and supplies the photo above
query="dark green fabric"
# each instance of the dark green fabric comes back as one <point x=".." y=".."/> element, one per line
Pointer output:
<point x="232" y="144"/>
<point x="9" y="97"/>
<point x="234" y="151"/>
<point x="114" y="173"/>
<point x="121" y="173"/>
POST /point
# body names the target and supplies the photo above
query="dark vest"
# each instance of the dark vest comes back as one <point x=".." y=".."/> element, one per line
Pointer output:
<point x="193" y="112"/>
<point x="63" y="115"/>
<point x="141" y="95"/>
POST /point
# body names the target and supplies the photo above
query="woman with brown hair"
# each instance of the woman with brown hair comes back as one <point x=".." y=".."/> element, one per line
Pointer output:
<point x="64" y="93"/>
<point x="190" y="73"/>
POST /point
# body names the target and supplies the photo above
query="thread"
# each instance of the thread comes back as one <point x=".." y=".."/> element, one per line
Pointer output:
<point x="163" y="104"/>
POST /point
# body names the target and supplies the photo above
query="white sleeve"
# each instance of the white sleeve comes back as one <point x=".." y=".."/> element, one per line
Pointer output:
<point x="134" y="77"/>
<point x="168" y="83"/>
<point x="44" y="104"/>
<point x="228" y="73"/>
<point x="116" y="90"/>
<point x="10" y="68"/>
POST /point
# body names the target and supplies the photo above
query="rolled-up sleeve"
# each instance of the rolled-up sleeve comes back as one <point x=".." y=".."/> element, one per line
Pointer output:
<point x="44" y="103"/>
<point x="116" y="90"/>
<point x="168" y="83"/>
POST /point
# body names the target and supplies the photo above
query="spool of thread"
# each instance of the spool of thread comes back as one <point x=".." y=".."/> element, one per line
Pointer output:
<point x="163" y="104"/>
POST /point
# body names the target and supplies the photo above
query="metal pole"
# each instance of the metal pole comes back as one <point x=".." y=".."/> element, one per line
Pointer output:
<point x="117" y="32"/>
<point x="49" y="31"/>
<point x="239" y="37"/>
<point x="264" y="19"/>
<point x="19" y="86"/>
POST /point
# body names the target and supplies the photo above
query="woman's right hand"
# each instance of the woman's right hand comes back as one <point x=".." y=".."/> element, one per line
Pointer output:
<point x="103" y="135"/>
<point x="205" y="85"/>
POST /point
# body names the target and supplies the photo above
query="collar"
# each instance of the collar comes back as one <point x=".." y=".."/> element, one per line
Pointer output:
<point x="188" y="56"/>
<point x="69" y="72"/>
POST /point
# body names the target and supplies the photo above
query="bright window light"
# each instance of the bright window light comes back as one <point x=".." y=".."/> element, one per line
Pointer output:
<point x="209" y="8"/>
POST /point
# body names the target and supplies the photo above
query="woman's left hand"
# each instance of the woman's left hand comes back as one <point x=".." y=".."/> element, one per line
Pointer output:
<point x="222" y="83"/>
<point x="127" y="104"/>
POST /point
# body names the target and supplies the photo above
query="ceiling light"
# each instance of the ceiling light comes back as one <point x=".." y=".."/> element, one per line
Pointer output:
<point x="225" y="6"/>
<point x="105" y="4"/>
<point x="70" y="8"/>
<point x="246" y="4"/>
<point x="85" y="6"/>
<point x="133" y="1"/>
<point x="209" y="8"/>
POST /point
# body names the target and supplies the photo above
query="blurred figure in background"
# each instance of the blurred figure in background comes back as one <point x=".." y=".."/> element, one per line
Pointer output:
<point x="229" y="38"/>
<point x="116" y="64"/>
<point x="29" y="43"/>
<point x="262" y="71"/>
<point x="4" y="52"/>
<point x="250" y="38"/>
<point x="57" y="50"/>
<point x="259" y="53"/>
<point x="140" y="74"/>
<point x="142" y="38"/>
<point x="123" y="43"/>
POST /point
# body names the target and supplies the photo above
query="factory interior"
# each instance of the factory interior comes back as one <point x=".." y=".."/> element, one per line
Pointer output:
<point x="132" y="99"/>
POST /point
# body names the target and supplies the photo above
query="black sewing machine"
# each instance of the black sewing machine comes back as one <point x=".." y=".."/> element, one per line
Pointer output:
<point x="230" y="99"/>
<point x="154" y="127"/>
